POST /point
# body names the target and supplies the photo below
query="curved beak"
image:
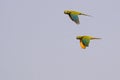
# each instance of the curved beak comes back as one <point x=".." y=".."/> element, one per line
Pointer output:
<point x="78" y="37"/>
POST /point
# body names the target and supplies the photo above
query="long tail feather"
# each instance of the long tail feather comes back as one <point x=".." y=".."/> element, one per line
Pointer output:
<point x="85" y="14"/>
<point x="95" y="38"/>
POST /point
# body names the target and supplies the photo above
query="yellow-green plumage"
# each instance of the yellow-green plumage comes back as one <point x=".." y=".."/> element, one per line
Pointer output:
<point x="74" y="15"/>
<point x="85" y="40"/>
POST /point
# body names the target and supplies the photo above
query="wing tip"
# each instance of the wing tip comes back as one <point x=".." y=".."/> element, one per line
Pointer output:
<point x="77" y="22"/>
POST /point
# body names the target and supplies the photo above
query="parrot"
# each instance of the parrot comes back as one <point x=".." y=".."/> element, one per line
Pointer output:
<point x="74" y="15"/>
<point x="85" y="40"/>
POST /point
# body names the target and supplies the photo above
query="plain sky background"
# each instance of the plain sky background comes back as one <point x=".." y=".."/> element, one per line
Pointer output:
<point x="38" y="41"/>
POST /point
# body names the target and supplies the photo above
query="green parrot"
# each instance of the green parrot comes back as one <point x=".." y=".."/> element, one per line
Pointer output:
<point x="74" y="15"/>
<point x="85" y="40"/>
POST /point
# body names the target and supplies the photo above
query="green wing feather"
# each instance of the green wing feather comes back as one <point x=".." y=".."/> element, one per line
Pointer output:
<point x="74" y="18"/>
<point x="86" y="41"/>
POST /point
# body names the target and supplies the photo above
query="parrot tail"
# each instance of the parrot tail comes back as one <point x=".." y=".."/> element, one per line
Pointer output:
<point x="94" y="38"/>
<point x="85" y="14"/>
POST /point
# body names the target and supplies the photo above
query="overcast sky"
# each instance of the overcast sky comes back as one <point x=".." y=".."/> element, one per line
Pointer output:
<point x="38" y="41"/>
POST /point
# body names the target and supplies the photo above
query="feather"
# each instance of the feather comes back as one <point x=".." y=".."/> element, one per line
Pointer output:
<point x="82" y="45"/>
<point x="86" y="41"/>
<point x="74" y="18"/>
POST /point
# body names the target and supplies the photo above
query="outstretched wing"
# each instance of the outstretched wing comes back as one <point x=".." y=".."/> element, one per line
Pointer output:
<point x="85" y="41"/>
<point x="74" y="18"/>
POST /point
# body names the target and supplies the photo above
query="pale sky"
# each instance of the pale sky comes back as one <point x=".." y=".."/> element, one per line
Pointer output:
<point x="38" y="41"/>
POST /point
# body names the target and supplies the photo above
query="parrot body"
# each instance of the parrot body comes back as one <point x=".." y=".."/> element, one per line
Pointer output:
<point x="85" y="40"/>
<point x="74" y="15"/>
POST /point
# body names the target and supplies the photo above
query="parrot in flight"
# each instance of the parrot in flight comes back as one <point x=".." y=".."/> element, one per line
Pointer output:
<point x="74" y="15"/>
<point x="85" y="40"/>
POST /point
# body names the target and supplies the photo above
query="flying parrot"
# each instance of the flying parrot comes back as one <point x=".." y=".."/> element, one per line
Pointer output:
<point x="74" y="15"/>
<point x="85" y="40"/>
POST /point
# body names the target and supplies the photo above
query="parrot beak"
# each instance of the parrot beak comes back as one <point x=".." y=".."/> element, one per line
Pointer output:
<point x="66" y="12"/>
<point x="78" y="37"/>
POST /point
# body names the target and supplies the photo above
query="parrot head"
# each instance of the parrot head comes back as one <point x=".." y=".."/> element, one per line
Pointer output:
<point x="79" y="37"/>
<point x="67" y="12"/>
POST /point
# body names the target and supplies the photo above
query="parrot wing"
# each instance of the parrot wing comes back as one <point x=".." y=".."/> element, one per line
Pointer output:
<point x="82" y="45"/>
<point x="74" y="18"/>
<point x="85" y="41"/>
